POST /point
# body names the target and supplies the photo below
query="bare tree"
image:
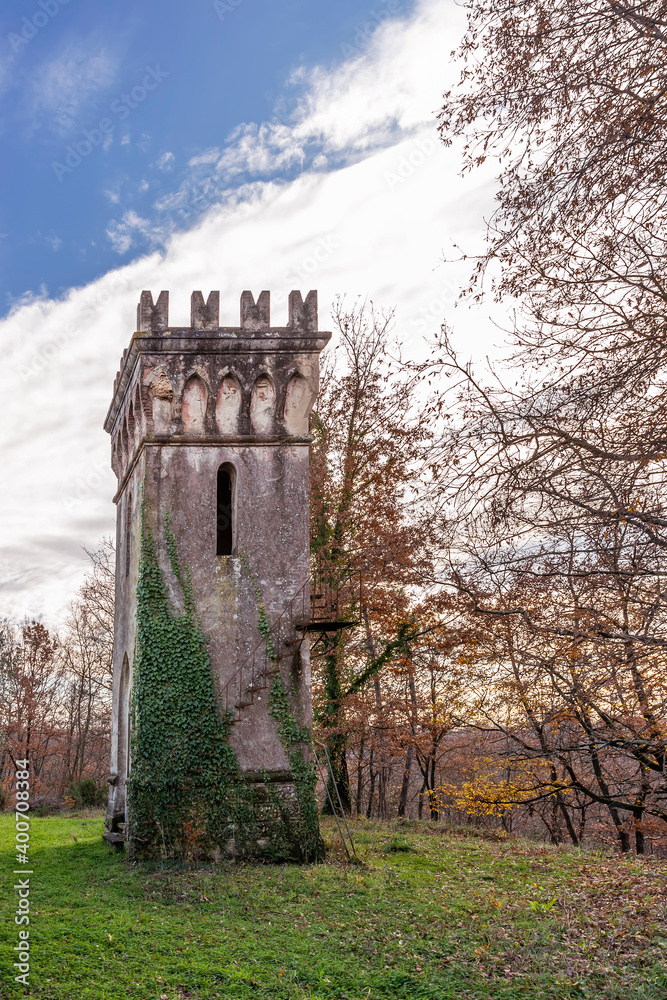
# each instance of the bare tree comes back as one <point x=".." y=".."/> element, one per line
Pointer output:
<point x="551" y="496"/>
<point x="370" y="437"/>
<point x="87" y="657"/>
<point x="31" y="676"/>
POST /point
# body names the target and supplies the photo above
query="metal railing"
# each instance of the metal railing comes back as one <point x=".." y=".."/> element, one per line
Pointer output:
<point x="330" y="800"/>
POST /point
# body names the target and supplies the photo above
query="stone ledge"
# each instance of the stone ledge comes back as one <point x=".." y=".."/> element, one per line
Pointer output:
<point x="262" y="777"/>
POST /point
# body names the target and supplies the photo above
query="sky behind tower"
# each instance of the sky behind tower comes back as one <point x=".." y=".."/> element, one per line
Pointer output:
<point x="231" y="144"/>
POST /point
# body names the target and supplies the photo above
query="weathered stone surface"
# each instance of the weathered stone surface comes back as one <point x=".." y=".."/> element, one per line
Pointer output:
<point x="205" y="315"/>
<point x="186" y="402"/>
<point x="152" y="317"/>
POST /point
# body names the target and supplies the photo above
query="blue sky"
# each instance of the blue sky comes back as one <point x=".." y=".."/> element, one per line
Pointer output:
<point x="290" y="146"/>
<point x="168" y="81"/>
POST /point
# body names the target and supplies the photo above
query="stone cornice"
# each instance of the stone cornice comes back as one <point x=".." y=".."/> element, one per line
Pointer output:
<point x="208" y="441"/>
<point x="224" y="342"/>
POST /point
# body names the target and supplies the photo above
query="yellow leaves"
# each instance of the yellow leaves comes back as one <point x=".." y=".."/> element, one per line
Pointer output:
<point x="481" y="796"/>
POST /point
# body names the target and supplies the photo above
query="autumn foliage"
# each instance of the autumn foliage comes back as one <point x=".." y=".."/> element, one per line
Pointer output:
<point x="56" y="695"/>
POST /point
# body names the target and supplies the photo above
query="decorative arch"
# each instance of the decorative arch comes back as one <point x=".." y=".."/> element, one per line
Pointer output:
<point x="193" y="410"/>
<point x="128" y="531"/>
<point x="124" y="444"/>
<point x="131" y="426"/>
<point x="298" y="404"/>
<point x="162" y="394"/>
<point x="228" y="405"/>
<point x="115" y="454"/>
<point x="124" y="720"/>
<point x="263" y="404"/>
<point x="139" y="410"/>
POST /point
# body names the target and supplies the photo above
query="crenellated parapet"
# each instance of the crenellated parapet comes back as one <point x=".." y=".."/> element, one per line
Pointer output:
<point x="212" y="384"/>
<point x="153" y="317"/>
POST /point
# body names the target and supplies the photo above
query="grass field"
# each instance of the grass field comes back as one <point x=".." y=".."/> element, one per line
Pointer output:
<point x="429" y="914"/>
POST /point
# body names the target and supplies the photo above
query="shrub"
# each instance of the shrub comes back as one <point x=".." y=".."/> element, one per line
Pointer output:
<point x="46" y="804"/>
<point x="86" y="793"/>
<point x="398" y="845"/>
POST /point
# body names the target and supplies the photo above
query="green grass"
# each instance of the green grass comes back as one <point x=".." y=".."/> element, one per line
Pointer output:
<point x="430" y="915"/>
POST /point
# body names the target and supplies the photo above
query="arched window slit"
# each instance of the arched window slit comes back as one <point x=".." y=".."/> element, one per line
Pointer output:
<point x="128" y="532"/>
<point x="225" y="512"/>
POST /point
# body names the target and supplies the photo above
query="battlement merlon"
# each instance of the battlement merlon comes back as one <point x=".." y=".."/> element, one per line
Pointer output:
<point x="153" y="317"/>
<point x="255" y="335"/>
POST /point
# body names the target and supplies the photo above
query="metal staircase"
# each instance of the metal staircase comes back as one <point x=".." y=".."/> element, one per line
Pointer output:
<point x="255" y="673"/>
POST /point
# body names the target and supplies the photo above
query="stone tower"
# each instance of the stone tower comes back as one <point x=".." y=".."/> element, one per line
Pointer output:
<point x="209" y="424"/>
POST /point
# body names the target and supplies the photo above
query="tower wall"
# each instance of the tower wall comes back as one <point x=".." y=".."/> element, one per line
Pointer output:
<point x="188" y="401"/>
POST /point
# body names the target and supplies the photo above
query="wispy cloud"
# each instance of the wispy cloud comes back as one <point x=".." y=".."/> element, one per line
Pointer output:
<point x="165" y="161"/>
<point x="371" y="102"/>
<point x="48" y="239"/>
<point x="121" y="234"/>
<point x="61" y="90"/>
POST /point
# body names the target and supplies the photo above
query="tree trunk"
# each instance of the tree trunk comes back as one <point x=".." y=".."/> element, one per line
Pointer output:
<point x="335" y="740"/>
<point x="382" y="770"/>
<point x="405" y="787"/>
<point x="640" y="845"/>
<point x="421" y="800"/>
<point x="432" y="801"/>
<point x="407" y="771"/>
<point x="360" y="776"/>
<point x="371" y="772"/>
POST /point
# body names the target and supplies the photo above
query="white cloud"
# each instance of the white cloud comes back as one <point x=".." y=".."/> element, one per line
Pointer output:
<point x="49" y="240"/>
<point x="121" y="233"/>
<point x="381" y="95"/>
<point x="378" y="225"/>
<point x="165" y="161"/>
<point x="61" y="90"/>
